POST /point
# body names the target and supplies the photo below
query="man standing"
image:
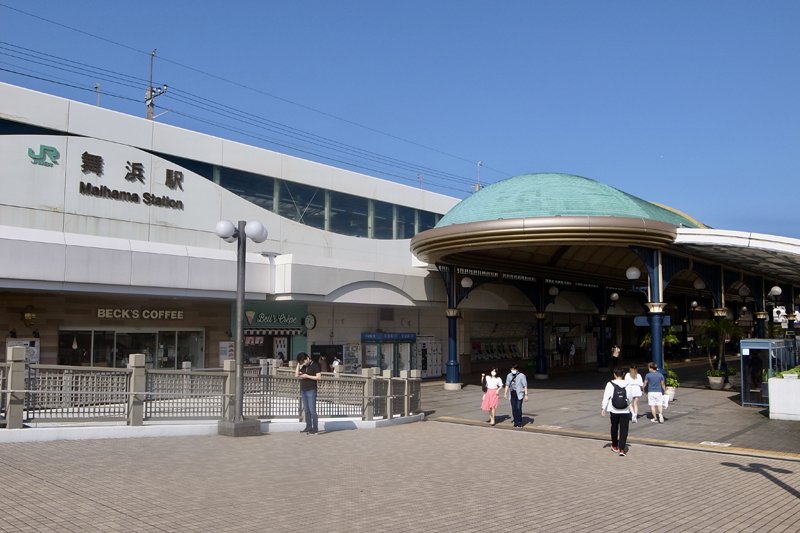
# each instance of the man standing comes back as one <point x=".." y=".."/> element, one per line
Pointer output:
<point x="517" y="386"/>
<point x="308" y="372"/>
<point x="655" y="386"/>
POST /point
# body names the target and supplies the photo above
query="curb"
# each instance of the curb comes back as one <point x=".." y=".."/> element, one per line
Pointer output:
<point x="565" y="432"/>
<point x="57" y="433"/>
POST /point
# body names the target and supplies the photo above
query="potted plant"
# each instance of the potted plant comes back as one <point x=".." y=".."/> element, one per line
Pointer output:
<point x="671" y="382"/>
<point x="717" y="330"/>
<point x="784" y="397"/>
<point x="716" y="378"/>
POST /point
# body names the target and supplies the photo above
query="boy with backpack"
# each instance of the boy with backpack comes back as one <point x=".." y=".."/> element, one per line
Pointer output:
<point x="615" y="401"/>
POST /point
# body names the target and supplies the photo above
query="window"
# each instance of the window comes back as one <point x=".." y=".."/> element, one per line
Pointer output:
<point x="382" y="220"/>
<point x="303" y="204"/>
<point x="162" y="349"/>
<point x="348" y="214"/>
<point x="427" y="220"/>
<point x="405" y="223"/>
<point x="254" y="188"/>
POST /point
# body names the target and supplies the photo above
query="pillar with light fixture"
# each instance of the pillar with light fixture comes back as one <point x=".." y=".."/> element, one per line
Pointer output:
<point x="775" y="295"/>
<point x="541" y="357"/>
<point x="237" y="425"/>
<point x="655" y="307"/>
<point x="602" y="349"/>
<point x="457" y="289"/>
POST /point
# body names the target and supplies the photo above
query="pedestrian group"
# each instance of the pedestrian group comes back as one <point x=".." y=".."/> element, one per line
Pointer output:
<point x="620" y="398"/>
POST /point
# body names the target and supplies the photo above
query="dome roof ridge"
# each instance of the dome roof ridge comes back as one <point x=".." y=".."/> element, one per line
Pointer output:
<point x="553" y="194"/>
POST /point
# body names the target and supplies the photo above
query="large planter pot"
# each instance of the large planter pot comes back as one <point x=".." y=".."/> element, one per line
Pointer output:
<point x="716" y="382"/>
<point x="784" y="399"/>
<point x="671" y="394"/>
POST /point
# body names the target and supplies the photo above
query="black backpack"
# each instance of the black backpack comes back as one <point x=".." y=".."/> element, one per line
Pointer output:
<point x="619" y="400"/>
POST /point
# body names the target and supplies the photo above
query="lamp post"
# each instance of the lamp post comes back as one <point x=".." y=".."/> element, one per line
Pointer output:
<point x="237" y="426"/>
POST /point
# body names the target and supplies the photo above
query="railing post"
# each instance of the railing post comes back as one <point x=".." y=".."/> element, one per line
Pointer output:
<point x="229" y="368"/>
<point x="15" y="401"/>
<point x="415" y="377"/>
<point x="406" y="374"/>
<point x="138" y="385"/>
<point x="369" y="392"/>
<point x="389" y="392"/>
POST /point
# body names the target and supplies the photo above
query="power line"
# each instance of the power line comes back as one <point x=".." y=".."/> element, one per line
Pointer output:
<point x="253" y="89"/>
<point x="65" y="64"/>
<point x="231" y="129"/>
<point x="91" y="89"/>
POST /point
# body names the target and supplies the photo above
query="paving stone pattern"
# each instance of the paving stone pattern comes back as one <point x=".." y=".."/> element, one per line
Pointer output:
<point x="427" y="476"/>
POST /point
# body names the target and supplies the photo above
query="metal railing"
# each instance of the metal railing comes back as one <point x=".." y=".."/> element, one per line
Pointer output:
<point x="64" y="394"/>
<point x="176" y="395"/>
<point x="4" y="386"/>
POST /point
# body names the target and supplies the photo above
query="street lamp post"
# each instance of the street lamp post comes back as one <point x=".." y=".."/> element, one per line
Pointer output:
<point x="236" y="425"/>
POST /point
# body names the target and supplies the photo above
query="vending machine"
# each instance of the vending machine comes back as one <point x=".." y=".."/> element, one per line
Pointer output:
<point x="390" y="351"/>
<point x="429" y="357"/>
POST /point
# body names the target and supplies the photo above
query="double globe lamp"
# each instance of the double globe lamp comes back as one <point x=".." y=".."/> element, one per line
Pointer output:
<point x="239" y="233"/>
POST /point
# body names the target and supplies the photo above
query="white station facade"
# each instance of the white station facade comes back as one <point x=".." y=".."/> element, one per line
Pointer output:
<point x="108" y="247"/>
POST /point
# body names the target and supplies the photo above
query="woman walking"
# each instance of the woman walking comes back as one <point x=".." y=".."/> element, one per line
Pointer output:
<point x="491" y="396"/>
<point x="634" y="384"/>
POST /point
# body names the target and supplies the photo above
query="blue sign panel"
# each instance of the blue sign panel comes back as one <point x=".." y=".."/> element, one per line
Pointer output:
<point x="388" y="337"/>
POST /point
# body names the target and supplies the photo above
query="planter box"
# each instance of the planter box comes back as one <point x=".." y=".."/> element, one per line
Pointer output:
<point x="784" y="399"/>
<point x="716" y="382"/>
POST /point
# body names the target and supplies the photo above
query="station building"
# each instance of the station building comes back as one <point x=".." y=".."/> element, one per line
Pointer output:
<point x="108" y="247"/>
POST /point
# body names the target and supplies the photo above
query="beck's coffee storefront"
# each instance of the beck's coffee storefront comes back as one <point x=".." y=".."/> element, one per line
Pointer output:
<point x="102" y="331"/>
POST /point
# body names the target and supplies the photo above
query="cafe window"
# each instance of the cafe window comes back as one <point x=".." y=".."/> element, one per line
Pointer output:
<point x="167" y="349"/>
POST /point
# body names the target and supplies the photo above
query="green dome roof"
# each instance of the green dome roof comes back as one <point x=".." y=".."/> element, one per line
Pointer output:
<point x="553" y="195"/>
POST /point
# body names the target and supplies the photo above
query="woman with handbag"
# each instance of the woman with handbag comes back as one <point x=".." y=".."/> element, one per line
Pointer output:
<point x="491" y="386"/>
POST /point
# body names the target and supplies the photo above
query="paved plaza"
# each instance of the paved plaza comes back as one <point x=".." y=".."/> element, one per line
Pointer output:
<point x="427" y="476"/>
<point x="713" y="466"/>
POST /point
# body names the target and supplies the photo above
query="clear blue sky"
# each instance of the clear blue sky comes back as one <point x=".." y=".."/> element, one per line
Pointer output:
<point x="692" y="104"/>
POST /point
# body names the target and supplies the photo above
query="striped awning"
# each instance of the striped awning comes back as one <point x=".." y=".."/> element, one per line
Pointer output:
<point x="272" y="331"/>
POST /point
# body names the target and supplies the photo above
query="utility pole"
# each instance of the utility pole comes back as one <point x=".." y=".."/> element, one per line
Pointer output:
<point x="97" y="94"/>
<point x="152" y="92"/>
<point x="478" y="182"/>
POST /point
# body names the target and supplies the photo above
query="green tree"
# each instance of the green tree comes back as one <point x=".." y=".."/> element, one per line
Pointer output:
<point x="668" y="338"/>
<point x="719" y="328"/>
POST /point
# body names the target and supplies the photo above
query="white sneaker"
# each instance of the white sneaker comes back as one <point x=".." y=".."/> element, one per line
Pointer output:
<point x="660" y="418"/>
<point x="633" y="419"/>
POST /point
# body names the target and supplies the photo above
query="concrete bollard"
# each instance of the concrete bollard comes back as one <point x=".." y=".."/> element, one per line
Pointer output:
<point x="138" y="385"/>
<point x="15" y="401"/>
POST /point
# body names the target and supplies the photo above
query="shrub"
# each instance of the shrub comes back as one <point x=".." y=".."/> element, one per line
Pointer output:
<point x="716" y="373"/>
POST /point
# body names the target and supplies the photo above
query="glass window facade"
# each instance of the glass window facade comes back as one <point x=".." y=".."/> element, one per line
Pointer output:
<point x="328" y="210"/>
<point x="166" y="349"/>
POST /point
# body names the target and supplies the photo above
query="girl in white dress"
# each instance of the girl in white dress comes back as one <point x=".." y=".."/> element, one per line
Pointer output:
<point x="633" y="384"/>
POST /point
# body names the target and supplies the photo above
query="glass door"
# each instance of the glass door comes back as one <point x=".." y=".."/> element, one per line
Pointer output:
<point x="167" y="357"/>
<point x="136" y="342"/>
<point x="190" y="348"/>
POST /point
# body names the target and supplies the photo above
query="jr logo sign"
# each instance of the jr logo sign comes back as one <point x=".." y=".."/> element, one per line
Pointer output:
<point x="45" y="153"/>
